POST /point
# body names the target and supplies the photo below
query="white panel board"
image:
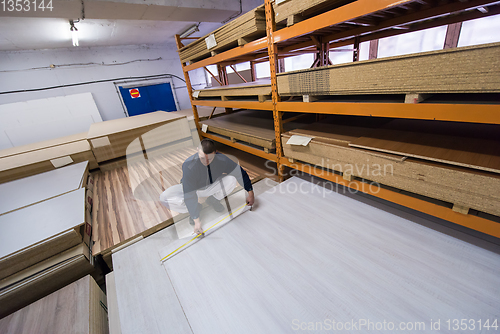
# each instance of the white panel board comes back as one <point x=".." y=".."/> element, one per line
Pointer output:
<point x="22" y="228"/>
<point x="33" y="189"/>
<point x="309" y="256"/>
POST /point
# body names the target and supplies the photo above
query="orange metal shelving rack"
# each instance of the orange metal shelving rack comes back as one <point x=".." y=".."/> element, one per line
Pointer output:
<point x="412" y="15"/>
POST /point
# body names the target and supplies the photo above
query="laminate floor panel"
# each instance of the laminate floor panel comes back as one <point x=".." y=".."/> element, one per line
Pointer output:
<point x="126" y="199"/>
<point x="145" y="297"/>
<point x="309" y="255"/>
<point x="34" y="189"/>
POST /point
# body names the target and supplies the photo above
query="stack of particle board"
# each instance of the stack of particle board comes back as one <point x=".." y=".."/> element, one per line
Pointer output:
<point x="250" y="126"/>
<point x="474" y="69"/>
<point x="440" y="173"/>
<point x="111" y="139"/>
<point x="79" y="307"/>
<point x="27" y="160"/>
<point x="260" y="88"/>
<point x="249" y="26"/>
<point x="284" y="10"/>
<point x="43" y="244"/>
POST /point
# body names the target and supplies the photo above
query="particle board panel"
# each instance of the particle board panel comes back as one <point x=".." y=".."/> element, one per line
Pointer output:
<point x="304" y="9"/>
<point x="259" y="87"/>
<point x="350" y="261"/>
<point x="112" y="139"/>
<point x="475" y="189"/>
<point x="251" y="126"/>
<point x="474" y="69"/>
<point x="32" y="162"/>
<point x="75" y="308"/>
<point x="146" y="299"/>
<point x="43" y="278"/>
<point x="473" y="153"/>
<point x="126" y="199"/>
<point x="249" y="25"/>
<point x="37" y="188"/>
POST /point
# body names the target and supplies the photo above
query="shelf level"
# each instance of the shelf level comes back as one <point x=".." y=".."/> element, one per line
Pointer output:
<point x="470" y="221"/>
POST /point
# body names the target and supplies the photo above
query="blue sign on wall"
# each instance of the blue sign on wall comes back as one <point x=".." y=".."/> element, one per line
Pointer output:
<point x="150" y="98"/>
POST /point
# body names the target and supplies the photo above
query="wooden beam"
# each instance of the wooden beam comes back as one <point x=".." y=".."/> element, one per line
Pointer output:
<point x="373" y="49"/>
<point x="452" y="35"/>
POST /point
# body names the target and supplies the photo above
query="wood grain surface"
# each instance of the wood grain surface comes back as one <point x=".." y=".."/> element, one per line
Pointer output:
<point x="308" y="256"/>
<point x="259" y="87"/>
<point x="126" y="199"/>
<point x="68" y="310"/>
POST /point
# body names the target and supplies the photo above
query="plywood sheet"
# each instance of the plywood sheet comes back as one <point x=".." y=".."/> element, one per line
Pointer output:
<point x="473" y="188"/>
<point x="251" y="126"/>
<point x="36" y="223"/>
<point x="475" y="153"/>
<point x="474" y="69"/>
<point x="113" y="314"/>
<point x="37" y="188"/>
<point x="126" y="199"/>
<point x="307" y="256"/>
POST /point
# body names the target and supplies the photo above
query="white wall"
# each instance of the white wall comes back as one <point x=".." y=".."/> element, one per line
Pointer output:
<point x="17" y="73"/>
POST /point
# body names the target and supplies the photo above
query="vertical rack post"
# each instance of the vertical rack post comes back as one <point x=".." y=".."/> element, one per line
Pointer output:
<point x="189" y="87"/>
<point x="272" y="50"/>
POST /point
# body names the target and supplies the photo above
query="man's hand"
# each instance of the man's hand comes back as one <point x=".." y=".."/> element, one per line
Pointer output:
<point x="250" y="198"/>
<point x="197" y="226"/>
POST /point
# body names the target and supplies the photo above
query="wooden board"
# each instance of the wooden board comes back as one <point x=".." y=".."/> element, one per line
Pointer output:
<point x="203" y="112"/>
<point x="473" y="69"/>
<point x="250" y="25"/>
<point x="474" y="153"/>
<point x="37" y="188"/>
<point x="75" y="308"/>
<point x="44" y="278"/>
<point x="304" y="9"/>
<point x="112" y="139"/>
<point x="126" y="199"/>
<point x="259" y="87"/>
<point x="146" y="299"/>
<point x="251" y="126"/>
<point x="350" y="261"/>
<point x="475" y="189"/>
<point x="32" y="162"/>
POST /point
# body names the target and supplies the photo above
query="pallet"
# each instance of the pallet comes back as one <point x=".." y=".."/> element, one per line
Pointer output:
<point x="294" y="11"/>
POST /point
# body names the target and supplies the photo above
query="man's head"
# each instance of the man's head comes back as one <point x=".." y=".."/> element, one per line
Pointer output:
<point x="207" y="151"/>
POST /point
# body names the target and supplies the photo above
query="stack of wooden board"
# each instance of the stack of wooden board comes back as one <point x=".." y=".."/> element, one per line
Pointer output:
<point x="474" y="69"/>
<point x="249" y="26"/>
<point x="460" y="175"/>
<point x="80" y="307"/>
<point x="250" y="126"/>
<point x="297" y="10"/>
<point x="43" y="244"/>
<point x="27" y="160"/>
<point x="260" y="89"/>
<point x="111" y="139"/>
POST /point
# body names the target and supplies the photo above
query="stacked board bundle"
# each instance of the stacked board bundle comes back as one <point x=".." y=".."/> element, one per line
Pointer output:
<point x="249" y="26"/>
<point x="302" y="9"/>
<point x="433" y="159"/>
<point x="472" y="69"/>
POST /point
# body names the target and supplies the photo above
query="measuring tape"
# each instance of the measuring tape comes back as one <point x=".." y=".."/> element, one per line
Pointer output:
<point x="197" y="236"/>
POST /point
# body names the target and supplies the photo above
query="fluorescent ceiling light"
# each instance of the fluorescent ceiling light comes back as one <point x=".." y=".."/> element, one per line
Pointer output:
<point x="190" y="31"/>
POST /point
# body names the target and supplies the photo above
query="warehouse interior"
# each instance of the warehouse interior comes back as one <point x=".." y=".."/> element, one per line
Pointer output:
<point x="368" y="135"/>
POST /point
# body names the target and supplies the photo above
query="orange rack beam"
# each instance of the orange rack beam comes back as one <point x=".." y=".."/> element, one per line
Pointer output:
<point x="235" y="104"/>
